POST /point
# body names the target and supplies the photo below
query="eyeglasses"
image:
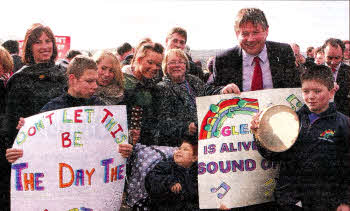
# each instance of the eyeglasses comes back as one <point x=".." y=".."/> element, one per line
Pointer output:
<point x="176" y="62"/>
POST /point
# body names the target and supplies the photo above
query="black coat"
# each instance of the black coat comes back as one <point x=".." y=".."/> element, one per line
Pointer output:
<point x="67" y="101"/>
<point x="228" y="66"/>
<point x="342" y="96"/>
<point x="159" y="181"/>
<point x="4" y="165"/>
<point x="29" y="89"/>
<point x="316" y="169"/>
<point x="176" y="109"/>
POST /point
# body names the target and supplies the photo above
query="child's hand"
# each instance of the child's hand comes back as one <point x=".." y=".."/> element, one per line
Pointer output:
<point x="20" y="123"/>
<point x="13" y="154"/>
<point x="343" y="207"/>
<point x="192" y="128"/>
<point x="254" y="124"/>
<point x="176" y="188"/>
<point x="223" y="207"/>
<point x="125" y="150"/>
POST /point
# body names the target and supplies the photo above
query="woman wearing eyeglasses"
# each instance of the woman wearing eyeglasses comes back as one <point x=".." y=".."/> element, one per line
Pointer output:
<point x="178" y="92"/>
<point x="140" y="91"/>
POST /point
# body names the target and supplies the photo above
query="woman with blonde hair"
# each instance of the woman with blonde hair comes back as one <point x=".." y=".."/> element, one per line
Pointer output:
<point x="140" y="91"/>
<point x="110" y="78"/>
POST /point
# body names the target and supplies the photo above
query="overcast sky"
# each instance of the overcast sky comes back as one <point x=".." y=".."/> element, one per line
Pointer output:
<point x="98" y="24"/>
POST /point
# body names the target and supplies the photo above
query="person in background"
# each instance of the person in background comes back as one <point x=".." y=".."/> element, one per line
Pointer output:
<point x="255" y="63"/>
<point x="346" y="58"/>
<point x="12" y="47"/>
<point x="110" y="78"/>
<point x="310" y="54"/>
<point x="177" y="39"/>
<point x="316" y="169"/>
<point x="125" y="52"/>
<point x="63" y="63"/>
<point x="299" y="59"/>
<point x="173" y="183"/>
<point x="333" y="52"/>
<point x="209" y="72"/>
<point x="319" y="56"/>
<point x="6" y="66"/>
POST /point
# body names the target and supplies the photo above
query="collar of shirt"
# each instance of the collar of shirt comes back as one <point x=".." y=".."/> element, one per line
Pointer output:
<point x="337" y="68"/>
<point x="248" y="59"/>
<point x="335" y="74"/>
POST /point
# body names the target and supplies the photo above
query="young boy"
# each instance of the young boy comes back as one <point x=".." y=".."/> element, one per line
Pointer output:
<point x="315" y="170"/>
<point x="173" y="184"/>
<point x="82" y="84"/>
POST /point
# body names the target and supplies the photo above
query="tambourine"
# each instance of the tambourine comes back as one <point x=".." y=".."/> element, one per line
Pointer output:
<point x="278" y="128"/>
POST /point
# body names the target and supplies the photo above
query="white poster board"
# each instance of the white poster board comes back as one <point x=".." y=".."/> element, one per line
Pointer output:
<point x="70" y="160"/>
<point x="230" y="169"/>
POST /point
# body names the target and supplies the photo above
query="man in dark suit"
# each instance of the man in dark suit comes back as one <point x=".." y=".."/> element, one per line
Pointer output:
<point x="334" y="51"/>
<point x="255" y="64"/>
<point x="234" y="69"/>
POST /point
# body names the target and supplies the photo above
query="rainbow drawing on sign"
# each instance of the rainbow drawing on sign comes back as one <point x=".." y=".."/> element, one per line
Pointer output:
<point x="218" y="114"/>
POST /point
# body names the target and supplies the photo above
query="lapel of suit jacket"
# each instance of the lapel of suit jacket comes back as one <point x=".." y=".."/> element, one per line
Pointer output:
<point x="341" y="75"/>
<point x="237" y="61"/>
<point x="273" y="60"/>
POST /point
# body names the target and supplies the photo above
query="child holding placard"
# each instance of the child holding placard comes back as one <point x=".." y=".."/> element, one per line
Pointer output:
<point x="82" y="84"/>
<point x="315" y="170"/>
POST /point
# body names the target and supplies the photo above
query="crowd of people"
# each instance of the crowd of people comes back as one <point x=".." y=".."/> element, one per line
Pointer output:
<point x="159" y="84"/>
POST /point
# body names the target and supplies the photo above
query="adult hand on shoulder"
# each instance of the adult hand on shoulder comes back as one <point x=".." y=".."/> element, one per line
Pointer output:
<point x="13" y="154"/>
<point x="176" y="188"/>
<point x="343" y="207"/>
<point x="192" y="128"/>
<point x="125" y="150"/>
<point x="20" y="123"/>
<point x="230" y="88"/>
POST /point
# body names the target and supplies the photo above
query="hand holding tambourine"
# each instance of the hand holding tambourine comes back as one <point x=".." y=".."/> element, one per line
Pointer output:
<point x="276" y="128"/>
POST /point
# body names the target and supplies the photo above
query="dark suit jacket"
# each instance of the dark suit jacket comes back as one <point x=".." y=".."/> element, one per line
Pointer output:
<point x="342" y="97"/>
<point x="228" y="66"/>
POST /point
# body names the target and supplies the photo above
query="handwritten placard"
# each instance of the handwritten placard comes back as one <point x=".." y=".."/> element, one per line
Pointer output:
<point x="230" y="169"/>
<point x="71" y="160"/>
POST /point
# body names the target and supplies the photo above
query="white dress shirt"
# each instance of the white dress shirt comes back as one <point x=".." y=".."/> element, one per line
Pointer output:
<point x="248" y="70"/>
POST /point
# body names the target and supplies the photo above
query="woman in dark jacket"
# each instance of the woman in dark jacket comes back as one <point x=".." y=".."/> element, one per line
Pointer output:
<point x="6" y="66"/>
<point x="177" y="110"/>
<point x="139" y="93"/>
<point x="39" y="81"/>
